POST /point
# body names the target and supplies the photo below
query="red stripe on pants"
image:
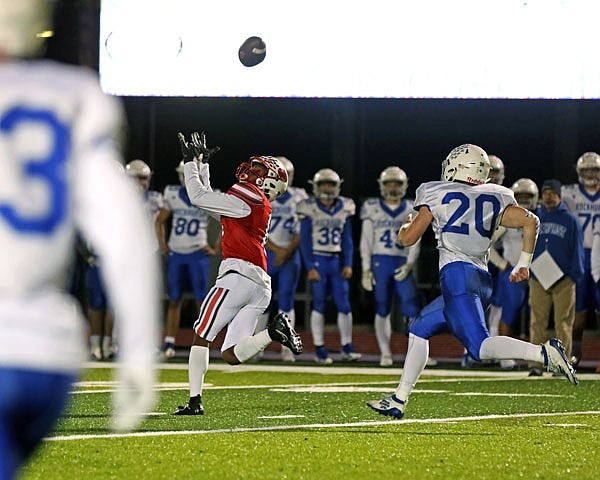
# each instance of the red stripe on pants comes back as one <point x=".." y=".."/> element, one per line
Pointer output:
<point x="209" y="311"/>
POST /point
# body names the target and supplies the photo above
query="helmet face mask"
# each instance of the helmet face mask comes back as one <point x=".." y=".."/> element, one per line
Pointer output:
<point x="588" y="169"/>
<point x="466" y="163"/>
<point x="526" y="193"/>
<point x="267" y="173"/>
<point x="393" y="183"/>
<point x="326" y="184"/>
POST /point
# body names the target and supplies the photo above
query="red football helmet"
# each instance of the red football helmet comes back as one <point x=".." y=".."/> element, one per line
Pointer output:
<point x="273" y="182"/>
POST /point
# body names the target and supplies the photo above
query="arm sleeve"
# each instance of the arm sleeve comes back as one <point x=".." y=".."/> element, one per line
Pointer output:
<point x="413" y="253"/>
<point x="347" y="243"/>
<point x="596" y="257"/>
<point x="366" y="244"/>
<point x="306" y="243"/>
<point x="215" y="203"/>
<point x="578" y="258"/>
<point x="498" y="259"/>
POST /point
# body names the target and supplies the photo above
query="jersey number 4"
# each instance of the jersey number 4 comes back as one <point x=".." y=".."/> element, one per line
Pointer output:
<point x="48" y="168"/>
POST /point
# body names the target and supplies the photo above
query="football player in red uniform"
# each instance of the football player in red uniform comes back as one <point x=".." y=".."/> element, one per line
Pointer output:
<point x="242" y="290"/>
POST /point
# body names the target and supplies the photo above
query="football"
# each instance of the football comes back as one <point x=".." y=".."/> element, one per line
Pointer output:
<point x="252" y="51"/>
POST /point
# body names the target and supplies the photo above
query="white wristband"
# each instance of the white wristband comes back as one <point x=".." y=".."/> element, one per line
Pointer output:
<point x="524" y="261"/>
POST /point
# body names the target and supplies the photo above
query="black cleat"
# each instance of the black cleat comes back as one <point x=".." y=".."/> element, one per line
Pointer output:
<point x="193" y="407"/>
<point x="281" y="330"/>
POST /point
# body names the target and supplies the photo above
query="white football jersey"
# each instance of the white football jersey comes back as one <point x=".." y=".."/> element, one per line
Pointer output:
<point x="384" y="226"/>
<point x="284" y="217"/>
<point x="584" y="206"/>
<point x="327" y="225"/>
<point x="464" y="218"/>
<point x="58" y="163"/>
<point x="511" y="242"/>
<point x="188" y="224"/>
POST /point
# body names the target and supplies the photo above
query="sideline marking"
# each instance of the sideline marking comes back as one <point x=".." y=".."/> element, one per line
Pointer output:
<point x="281" y="416"/>
<point x="566" y="425"/>
<point x="409" y="421"/>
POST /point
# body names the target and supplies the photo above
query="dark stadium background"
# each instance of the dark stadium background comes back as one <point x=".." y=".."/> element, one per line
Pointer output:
<point x="538" y="139"/>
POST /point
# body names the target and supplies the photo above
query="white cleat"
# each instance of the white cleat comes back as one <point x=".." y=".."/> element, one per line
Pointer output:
<point x="390" y="406"/>
<point x="96" y="354"/>
<point x="386" y="361"/>
<point x="349" y="354"/>
<point x="555" y="360"/>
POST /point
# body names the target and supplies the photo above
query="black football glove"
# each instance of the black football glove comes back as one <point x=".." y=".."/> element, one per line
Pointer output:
<point x="187" y="149"/>
<point x="201" y="151"/>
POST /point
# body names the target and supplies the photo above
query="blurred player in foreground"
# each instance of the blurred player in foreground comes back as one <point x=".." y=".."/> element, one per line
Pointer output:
<point x="242" y="291"/>
<point x="58" y="155"/>
<point x="465" y="210"/>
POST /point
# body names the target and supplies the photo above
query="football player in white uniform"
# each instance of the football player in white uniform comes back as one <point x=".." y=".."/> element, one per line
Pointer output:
<point x="387" y="264"/>
<point x="464" y="210"/>
<point x="583" y="200"/>
<point x="327" y="247"/>
<point x="511" y="296"/>
<point x="187" y="253"/>
<point x="57" y="155"/>
<point x="141" y="173"/>
<point x="283" y="255"/>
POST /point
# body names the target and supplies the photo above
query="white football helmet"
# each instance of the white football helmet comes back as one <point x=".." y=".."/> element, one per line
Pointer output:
<point x="326" y="175"/>
<point x="289" y="168"/>
<point x="273" y="183"/>
<point x="396" y="175"/>
<point x="526" y="193"/>
<point x="496" y="170"/>
<point x="140" y="171"/>
<point x="22" y="26"/>
<point x="466" y="163"/>
<point x="179" y="170"/>
<point x="588" y="169"/>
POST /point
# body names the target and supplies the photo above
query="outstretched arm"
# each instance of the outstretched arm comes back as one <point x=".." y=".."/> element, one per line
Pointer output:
<point x="517" y="217"/>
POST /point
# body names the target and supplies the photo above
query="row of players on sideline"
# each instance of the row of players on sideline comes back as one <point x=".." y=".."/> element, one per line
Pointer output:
<point x="317" y="230"/>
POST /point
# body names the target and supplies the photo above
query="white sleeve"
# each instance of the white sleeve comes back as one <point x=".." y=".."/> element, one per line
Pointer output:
<point x="214" y="203"/>
<point x="413" y="253"/>
<point x="366" y="244"/>
<point x="110" y="214"/>
<point x="596" y="257"/>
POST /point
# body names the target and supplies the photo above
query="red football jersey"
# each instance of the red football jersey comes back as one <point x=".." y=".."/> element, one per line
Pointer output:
<point x="245" y="238"/>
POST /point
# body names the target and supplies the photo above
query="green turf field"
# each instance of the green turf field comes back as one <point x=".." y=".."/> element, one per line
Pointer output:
<point x="271" y="421"/>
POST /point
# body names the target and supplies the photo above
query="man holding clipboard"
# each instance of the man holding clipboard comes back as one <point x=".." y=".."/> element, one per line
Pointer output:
<point x="557" y="265"/>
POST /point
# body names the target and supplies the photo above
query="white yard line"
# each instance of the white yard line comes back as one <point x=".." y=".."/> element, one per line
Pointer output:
<point x="355" y="370"/>
<point x="399" y="423"/>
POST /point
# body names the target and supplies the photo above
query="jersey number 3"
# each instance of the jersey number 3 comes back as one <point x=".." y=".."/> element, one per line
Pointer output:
<point x="48" y="168"/>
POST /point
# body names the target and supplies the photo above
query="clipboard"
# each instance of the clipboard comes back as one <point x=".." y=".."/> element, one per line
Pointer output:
<point x="546" y="270"/>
